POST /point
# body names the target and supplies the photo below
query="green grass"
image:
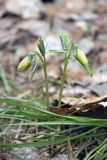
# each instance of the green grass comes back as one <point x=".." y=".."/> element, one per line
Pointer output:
<point x="89" y="135"/>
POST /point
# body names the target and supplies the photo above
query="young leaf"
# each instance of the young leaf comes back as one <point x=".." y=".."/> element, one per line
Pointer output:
<point x="65" y="41"/>
<point x="41" y="47"/>
<point x="31" y="55"/>
<point x="56" y="51"/>
<point x="34" y="70"/>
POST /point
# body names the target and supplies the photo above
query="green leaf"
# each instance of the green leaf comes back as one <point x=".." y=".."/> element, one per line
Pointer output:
<point x="31" y="55"/>
<point x="34" y="70"/>
<point x="41" y="47"/>
<point x="56" y="51"/>
<point x="65" y="41"/>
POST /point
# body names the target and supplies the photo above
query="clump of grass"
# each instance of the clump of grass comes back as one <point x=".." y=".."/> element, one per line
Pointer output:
<point x="87" y="135"/>
<point x="80" y="137"/>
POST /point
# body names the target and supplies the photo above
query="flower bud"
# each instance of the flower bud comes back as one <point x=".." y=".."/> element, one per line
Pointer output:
<point x="80" y="56"/>
<point x="24" y="64"/>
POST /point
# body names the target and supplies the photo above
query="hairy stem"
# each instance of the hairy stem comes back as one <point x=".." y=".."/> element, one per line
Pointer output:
<point x="62" y="81"/>
<point x="43" y="61"/>
<point x="46" y="83"/>
<point x="67" y="56"/>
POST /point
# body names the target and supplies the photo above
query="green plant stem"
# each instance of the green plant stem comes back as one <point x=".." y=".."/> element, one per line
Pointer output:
<point x="67" y="56"/>
<point x="43" y="61"/>
<point x="62" y="81"/>
<point x="46" y="83"/>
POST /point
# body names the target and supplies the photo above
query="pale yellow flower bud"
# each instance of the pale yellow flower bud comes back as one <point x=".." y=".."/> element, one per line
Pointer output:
<point x="80" y="56"/>
<point x="24" y="64"/>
